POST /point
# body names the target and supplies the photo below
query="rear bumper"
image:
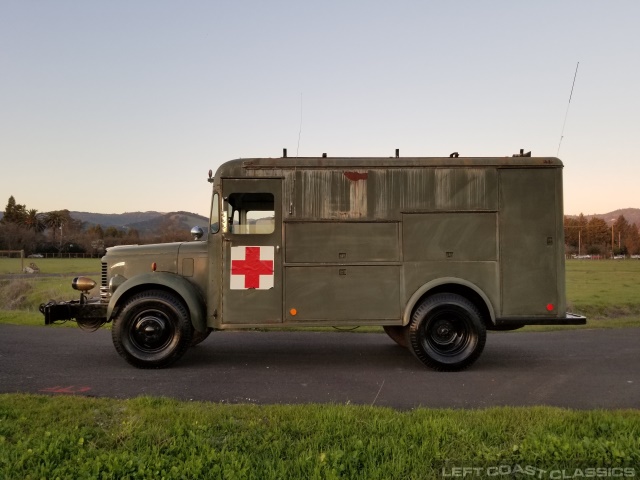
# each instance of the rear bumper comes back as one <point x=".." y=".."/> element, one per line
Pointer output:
<point x="78" y="310"/>
<point x="568" y="319"/>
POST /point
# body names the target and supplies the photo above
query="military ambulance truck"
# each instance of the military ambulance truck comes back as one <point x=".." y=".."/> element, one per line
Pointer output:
<point x="435" y="250"/>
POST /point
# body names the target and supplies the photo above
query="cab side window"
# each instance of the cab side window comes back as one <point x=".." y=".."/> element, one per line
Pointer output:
<point x="251" y="213"/>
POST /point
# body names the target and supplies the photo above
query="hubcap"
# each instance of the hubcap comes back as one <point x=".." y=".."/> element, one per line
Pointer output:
<point x="151" y="331"/>
<point x="447" y="334"/>
<point x="444" y="332"/>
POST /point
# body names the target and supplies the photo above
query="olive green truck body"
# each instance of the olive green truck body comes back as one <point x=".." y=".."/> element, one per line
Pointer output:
<point x="436" y="250"/>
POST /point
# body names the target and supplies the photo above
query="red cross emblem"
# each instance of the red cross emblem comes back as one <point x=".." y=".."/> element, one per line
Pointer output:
<point x="251" y="267"/>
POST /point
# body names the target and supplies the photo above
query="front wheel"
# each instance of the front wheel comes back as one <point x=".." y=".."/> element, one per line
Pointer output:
<point x="446" y="332"/>
<point x="152" y="330"/>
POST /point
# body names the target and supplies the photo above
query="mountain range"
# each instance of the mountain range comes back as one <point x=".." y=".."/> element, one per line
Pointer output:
<point x="632" y="215"/>
<point x="151" y="221"/>
<point x="144" y="222"/>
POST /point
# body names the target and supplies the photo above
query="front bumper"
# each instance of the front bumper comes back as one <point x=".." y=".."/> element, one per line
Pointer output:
<point x="83" y="311"/>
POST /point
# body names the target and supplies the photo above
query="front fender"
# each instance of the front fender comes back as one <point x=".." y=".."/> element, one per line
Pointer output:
<point x="170" y="281"/>
<point x="418" y="294"/>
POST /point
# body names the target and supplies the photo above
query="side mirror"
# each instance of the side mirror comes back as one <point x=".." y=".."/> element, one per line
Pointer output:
<point x="224" y="222"/>
<point x="197" y="232"/>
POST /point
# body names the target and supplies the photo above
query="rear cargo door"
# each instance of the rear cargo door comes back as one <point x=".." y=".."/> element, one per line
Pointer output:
<point x="528" y="236"/>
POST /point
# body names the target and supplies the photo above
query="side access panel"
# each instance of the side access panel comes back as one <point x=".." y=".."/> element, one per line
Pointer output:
<point x="451" y="236"/>
<point x="341" y="242"/>
<point x="343" y="294"/>
<point x="342" y="272"/>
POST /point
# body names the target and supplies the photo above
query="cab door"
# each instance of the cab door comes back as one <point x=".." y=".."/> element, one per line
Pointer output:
<point x="252" y="258"/>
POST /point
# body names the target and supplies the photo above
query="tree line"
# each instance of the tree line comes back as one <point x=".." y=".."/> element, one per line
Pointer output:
<point x="597" y="237"/>
<point x="57" y="232"/>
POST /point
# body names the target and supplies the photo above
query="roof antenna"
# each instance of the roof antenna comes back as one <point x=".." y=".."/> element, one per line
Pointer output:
<point x="567" y="112"/>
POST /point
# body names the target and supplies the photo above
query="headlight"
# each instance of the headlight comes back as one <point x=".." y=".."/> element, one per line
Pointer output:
<point x="115" y="282"/>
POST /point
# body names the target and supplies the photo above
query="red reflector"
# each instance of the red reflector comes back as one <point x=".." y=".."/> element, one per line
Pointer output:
<point x="153" y="267"/>
<point x="550" y="307"/>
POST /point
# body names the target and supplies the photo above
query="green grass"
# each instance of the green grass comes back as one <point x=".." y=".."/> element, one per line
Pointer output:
<point x="604" y="288"/>
<point x="606" y="291"/>
<point x="26" y="294"/>
<point x="69" y="266"/>
<point x="75" y="437"/>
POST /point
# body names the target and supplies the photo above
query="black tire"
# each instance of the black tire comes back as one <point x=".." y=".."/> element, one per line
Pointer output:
<point x="398" y="334"/>
<point x="447" y="332"/>
<point x="199" y="337"/>
<point x="152" y="330"/>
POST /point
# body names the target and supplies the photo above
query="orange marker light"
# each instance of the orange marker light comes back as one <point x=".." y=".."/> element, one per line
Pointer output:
<point x="293" y="312"/>
<point x="154" y="266"/>
<point x="550" y="307"/>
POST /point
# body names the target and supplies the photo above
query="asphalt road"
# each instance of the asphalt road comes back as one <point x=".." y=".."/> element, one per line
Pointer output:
<point x="576" y="369"/>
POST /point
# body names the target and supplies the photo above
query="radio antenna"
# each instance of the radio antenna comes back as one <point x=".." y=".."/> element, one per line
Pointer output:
<point x="299" y="131"/>
<point x="567" y="112"/>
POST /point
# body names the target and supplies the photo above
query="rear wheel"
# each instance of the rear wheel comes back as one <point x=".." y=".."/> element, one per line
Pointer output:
<point x="446" y="332"/>
<point x="152" y="330"/>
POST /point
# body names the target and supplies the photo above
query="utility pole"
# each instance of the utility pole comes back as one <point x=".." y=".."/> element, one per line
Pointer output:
<point x="612" y="240"/>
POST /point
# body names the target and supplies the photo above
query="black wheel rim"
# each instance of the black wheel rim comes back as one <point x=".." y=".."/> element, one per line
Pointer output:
<point x="448" y="333"/>
<point x="151" y="331"/>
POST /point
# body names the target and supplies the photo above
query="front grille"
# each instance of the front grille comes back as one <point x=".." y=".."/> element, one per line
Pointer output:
<point x="104" y="284"/>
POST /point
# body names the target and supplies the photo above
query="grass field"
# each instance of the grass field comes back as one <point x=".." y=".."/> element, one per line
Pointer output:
<point x="604" y="287"/>
<point x="151" y="438"/>
<point x="69" y="266"/>
<point x="606" y="291"/>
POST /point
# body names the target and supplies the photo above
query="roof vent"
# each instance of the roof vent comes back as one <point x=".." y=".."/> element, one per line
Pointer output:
<point x="522" y="154"/>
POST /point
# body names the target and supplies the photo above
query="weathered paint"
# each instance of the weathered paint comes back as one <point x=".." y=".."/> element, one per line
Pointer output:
<point x="357" y="240"/>
<point x="435" y="217"/>
<point x="355" y="176"/>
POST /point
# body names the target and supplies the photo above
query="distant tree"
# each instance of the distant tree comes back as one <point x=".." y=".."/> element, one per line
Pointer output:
<point x="620" y="232"/>
<point x="33" y="221"/>
<point x="133" y="236"/>
<point x="98" y="246"/>
<point x="112" y="232"/>
<point x="62" y="218"/>
<point x="13" y="212"/>
<point x="632" y="240"/>
<point x="574" y="232"/>
<point x="96" y="231"/>
<point x="16" y="237"/>
<point x="598" y="234"/>
<point x="54" y="221"/>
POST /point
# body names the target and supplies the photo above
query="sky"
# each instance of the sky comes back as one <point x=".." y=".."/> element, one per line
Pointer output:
<point x="124" y="106"/>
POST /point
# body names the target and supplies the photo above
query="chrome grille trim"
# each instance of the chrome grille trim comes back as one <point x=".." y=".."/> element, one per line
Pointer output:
<point x="104" y="284"/>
